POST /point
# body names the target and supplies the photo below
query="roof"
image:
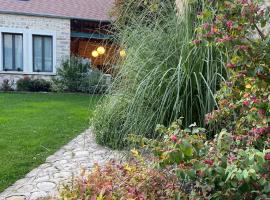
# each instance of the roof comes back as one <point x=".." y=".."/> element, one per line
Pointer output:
<point x="95" y="10"/>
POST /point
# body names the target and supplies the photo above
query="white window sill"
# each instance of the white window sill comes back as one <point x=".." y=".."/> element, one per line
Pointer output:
<point x="31" y="73"/>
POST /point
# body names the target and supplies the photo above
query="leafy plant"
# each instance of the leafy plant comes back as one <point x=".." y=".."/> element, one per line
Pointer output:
<point x="75" y="75"/>
<point x="24" y="84"/>
<point x="133" y="180"/>
<point x="244" y="100"/>
<point x="40" y="85"/>
<point x="33" y="85"/>
<point x="210" y="169"/>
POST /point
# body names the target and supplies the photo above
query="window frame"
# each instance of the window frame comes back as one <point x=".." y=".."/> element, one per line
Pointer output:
<point x="13" y="52"/>
<point x="43" y="53"/>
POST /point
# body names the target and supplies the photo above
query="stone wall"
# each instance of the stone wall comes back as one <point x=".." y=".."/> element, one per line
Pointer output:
<point x="29" y="25"/>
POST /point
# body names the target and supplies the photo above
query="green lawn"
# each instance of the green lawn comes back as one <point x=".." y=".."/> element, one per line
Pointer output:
<point x="35" y="125"/>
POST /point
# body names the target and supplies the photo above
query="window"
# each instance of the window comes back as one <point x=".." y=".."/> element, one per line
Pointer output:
<point x="12" y="52"/>
<point x="42" y="53"/>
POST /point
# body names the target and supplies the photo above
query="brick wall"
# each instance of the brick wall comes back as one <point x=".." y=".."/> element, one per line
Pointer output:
<point x="58" y="28"/>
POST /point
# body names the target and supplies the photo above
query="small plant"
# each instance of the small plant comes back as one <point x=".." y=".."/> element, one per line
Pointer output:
<point x="40" y="85"/>
<point x="132" y="180"/>
<point x="76" y="75"/>
<point x="24" y="84"/>
<point x="7" y="85"/>
<point x="33" y="85"/>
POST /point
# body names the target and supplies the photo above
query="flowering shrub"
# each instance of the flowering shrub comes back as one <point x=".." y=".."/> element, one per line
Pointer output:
<point x="211" y="169"/>
<point x="236" y="26"/>
<point x="132" y="180"/>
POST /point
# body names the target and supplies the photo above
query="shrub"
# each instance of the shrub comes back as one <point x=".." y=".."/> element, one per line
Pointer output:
<point x="94" y="82"/>
<point x="33" y="85"/>
<point x="40" y="85"/>
<point x="162" y="78"/>
<point x="210" y="169"/>
<point x="133" y="180"/>
<point x="243" y="101"/>
<point x="24" y="84"/>
<point x="7" y="85"/>
<point x="75" y="75"/>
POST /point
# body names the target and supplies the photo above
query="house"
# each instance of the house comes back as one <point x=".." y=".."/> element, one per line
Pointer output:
<point x="36" y="35"/>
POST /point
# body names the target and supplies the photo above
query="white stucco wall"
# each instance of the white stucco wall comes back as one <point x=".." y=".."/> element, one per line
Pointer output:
<point x="59" y="29"/>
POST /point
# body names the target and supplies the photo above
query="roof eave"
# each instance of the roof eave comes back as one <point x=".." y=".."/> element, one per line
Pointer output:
<point x="52" y="16"/>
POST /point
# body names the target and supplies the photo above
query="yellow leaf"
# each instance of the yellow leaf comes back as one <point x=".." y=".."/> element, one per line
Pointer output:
<point x="100" y="197"/>
<point x="248" y="86"/>
<point x="128" y="168"/>
<point x="134" y="152"/>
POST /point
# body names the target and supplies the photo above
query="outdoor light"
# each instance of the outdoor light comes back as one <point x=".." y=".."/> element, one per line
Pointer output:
<point x="123" y="53"/>
<point x="95" y="54"/>
<point x="101" y="50"/>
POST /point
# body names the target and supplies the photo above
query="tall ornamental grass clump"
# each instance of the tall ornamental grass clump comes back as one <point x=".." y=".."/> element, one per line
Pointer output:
<point x="164" y="76"/>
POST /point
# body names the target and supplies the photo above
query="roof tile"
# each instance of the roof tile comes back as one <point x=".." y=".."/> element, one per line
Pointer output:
<point x="74" y="9"/>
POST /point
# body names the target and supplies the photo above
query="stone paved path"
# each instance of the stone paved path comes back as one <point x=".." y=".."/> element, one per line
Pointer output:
<point x="81" y="153"/>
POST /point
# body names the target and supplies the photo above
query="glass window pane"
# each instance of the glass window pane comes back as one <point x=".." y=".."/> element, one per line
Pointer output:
<point x="48" y="58"/>
<point x="7" y="51"/>
<point x="37" y="48"/>
<point x="18" y="52"/>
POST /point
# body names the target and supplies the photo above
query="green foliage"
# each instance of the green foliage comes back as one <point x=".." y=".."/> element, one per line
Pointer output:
<point x="40" y="85"/>
<point x="75" y="75"/>
<point x="24" y="84"/>
<point x="210" y="169"/>
<point x="33" y="85"/>
<point x="162" y="78"/>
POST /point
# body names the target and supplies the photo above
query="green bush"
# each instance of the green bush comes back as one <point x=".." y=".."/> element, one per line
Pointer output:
<point x="40" y="85"/>
<point x="162" y="78"/>
<point x="76" y="75"/>
<point x="24" y="84"/>
<point x="33" y="85"/>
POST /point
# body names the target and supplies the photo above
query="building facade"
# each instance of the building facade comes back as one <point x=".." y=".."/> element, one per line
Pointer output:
<point x="37" y="35"/>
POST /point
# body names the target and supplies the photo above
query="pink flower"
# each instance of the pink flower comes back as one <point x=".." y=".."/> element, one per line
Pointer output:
<point x="209" y="162"/>
<point x="230" y="65"/>
<point x="261" y="112"/>
<point x="242" y="47"/>
<point x="224" y="39"/>
<point x="243" y="1"/>
<point x="246" y="103"/>
<point x="196" y="41"/>
<point x="174" y="138"/>
<point x="205" y="26"/>
<point x="267" y="156"/>
<point x="237" y="137"/>
<point x="231" y="158"/>
<point x="229" y="24"/>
